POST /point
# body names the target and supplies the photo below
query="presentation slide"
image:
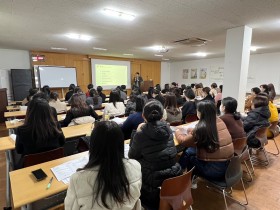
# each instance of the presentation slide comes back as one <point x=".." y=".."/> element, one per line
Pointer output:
<point x="109" y="73"/>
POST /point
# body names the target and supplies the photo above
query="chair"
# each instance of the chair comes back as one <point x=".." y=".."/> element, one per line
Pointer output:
<point x="34" y="159"/>
<point x="233" y="175"/>
<point x="175" y="192"/>
<point x="191" y="118"/>
<point x="241" y="148"/>
<point x="176" y="123"/>
<point x="261" y="135"/>
<point x="275" y="132"/>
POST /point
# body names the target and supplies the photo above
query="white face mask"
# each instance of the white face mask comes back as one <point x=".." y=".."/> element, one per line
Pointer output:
<point x="222" y="110"/>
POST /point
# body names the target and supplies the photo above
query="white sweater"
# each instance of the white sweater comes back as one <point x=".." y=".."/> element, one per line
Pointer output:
<point x="80" y="193"/>
<point x="113" y="111"/>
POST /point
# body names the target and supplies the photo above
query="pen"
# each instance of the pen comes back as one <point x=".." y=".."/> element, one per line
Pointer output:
<point x="50" y="182"/>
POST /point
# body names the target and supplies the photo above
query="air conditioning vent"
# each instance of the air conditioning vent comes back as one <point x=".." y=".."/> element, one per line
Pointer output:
<point x="193" y="42"/>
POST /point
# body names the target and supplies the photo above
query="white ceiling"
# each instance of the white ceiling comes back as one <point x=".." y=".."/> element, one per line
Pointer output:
<point x="42" y="24"/>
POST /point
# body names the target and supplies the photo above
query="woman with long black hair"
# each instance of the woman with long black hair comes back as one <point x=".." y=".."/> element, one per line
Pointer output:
<point x="109" y="180"/>
<point x="210" y="144"/>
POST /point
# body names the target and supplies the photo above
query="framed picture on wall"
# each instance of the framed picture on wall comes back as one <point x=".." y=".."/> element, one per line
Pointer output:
<point x="203" y="73"/>
<point x="193" y="73"/>
<point x="185" y="74"/>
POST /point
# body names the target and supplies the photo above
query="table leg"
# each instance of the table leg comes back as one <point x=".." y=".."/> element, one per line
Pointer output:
<point x="8" y="188"/>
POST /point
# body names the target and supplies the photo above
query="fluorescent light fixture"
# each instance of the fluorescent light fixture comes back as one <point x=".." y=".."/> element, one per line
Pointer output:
<point x="165" y="59"/>
<point x="158" y="55"/>
<point x="200" y="54"/>
<point x="78" y="36"/>
<point x="99" y="48"/>
<point x="118" y="14"/>
<point x="128" y="54"/>
<point x="59" y="48"/>
<point x="253" y="48"/>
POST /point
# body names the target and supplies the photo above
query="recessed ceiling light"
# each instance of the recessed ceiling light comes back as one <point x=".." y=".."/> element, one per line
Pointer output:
<point x="253" y="48"/>
<point x="165" y="59"/>
<point x="118" y="14"/>
<point x="99" y="48"/>
<point x="158" y="55"/>
<point x="201" y="54"/>
<point x="128" y="54"/>
<point x="78" y="36"/>
<point x="160" y="48"/>
<point x="59" y="48"/>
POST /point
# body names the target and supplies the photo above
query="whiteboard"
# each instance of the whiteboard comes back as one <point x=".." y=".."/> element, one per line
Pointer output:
<point x="57" y="77"/>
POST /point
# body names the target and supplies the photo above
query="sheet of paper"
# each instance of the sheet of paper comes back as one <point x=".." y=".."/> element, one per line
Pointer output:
<point x="119" y="120"/>
<point x="13" y="136"/>
<point x="126" y="149"/>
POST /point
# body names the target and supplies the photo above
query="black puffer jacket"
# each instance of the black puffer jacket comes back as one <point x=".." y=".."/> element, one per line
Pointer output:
<point x="154" y="148"/>
<point x="256" y="118"/>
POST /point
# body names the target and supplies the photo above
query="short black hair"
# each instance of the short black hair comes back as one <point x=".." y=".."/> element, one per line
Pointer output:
<point x="90" y="86"/>
<point x="123" y="87"/>
<point x="99" y="89"/>
<point x="72" y="87"/>
<point x="214" y="85"/>
<point x="256" y="90"/>
<point x="206" y="90"/>
<point x="189" y="94"/>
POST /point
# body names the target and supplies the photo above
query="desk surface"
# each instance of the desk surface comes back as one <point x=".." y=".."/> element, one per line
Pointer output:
<point x="25" y="189"/>
<point x="6" y="143"/>
<point x="15" y="114"/>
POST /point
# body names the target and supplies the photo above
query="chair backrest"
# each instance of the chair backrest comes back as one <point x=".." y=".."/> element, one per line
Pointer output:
<point x="191" y="118"/>
<point x="33" y="159"/>
<point x="175" y="192"/>
<point x="261" y="135"/>
<point x="176" y="123"/>
<point x="274" y="128"/>
<point x="239" y="145"/>
<point x="234" y="171"/>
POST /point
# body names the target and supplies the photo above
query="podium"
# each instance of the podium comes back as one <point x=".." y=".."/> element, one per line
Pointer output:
<point x="146" y="84"/>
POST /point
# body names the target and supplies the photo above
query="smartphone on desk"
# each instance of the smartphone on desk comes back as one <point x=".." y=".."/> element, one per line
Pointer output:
<point x="39" y="174"/>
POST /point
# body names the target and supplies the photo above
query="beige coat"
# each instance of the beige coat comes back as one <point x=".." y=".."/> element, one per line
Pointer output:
<point x="80" y="193"/>
<point x="58" y="105"/>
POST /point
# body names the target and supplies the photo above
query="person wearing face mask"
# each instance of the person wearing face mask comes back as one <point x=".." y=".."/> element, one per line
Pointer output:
<point x="232" y="118"/>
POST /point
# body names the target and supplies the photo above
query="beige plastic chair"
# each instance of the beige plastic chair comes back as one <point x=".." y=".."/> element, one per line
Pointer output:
<point x="273" y="128"/>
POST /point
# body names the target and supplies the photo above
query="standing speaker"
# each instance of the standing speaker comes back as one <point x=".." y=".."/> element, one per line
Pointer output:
<point x="21" y="83"/>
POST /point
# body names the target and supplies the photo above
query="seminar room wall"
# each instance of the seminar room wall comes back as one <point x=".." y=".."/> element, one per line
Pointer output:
<point x="148" y="69"/>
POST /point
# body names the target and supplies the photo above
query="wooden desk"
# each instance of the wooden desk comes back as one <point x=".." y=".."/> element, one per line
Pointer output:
<point x="15" y="114"/>
<point x="9" y="125"/>
<point x="12" y="108"/>
<point x="6" y="143"/>
<point x="77" y="130"/>
<point x="26" y="190"/>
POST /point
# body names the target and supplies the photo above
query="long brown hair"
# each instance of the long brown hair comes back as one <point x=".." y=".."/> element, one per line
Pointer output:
<point x="171" y="103"/>
<point x="40" y="120"/>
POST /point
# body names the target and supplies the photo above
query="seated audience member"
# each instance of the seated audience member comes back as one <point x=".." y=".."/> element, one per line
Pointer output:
<point x="249" y="99"/>
<point x="102" y="95"/>
<point x="92" y="187"/>
<point x="193" y="87"/>
<point x="206" y="95"/>
<point x="131" y="103"/>
<point x="273" y="112"/>
<point x="182" y="89"/>
<point x="79" y="91"/>
<point x="94" y="99"/>
<point x="158" y="87"/>
<point x="264" y="89"/>
<point x="153" y="147"/>
<point x="150" y="94"/>
<point x="256" y="118"/>
<point x="115" y="106"/>
<point x="56" y="103"/>
<point x="190" y="106"/>
<point x="118" y="89"/>
<point x="166" y="89"/>
<point x="46" y="90"/>
<point x="157" y="96"/>
<point x="134" y="119"/>
<point x="232" y="118"/>
<point x="123" y="89"/>
<point x="70" y="92"/>
<point x="89" y="87"/>
<point x="173" y="113"/>
<point x="123" y="93"/>
<point x="180" y="100"/>
<point x="32" y="92"/>
<point x="79" y="112"/>
<point x="173" y="85"/>
<point x="214" y="90"/>
<point x="40" y="131"/>
<point x="218" y="97"/>
<point x="271" y="91"/>
<point x="198" y="92"/>
<point x="210" y="144"/>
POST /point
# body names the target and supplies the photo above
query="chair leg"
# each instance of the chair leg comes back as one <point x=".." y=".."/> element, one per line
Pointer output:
<point x="248" y="172"/>
<point x="262" y="162"/>
<point x="244" y="193"/>
<point x="225" y="199"/>
<point x="191" y="207"/>
<point x="252" y="166"/>
<point x="276" y="148"/>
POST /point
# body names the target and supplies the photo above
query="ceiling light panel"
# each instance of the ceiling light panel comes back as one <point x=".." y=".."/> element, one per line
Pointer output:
<point x="118" y="14"/>
<point x="78" y="36"/>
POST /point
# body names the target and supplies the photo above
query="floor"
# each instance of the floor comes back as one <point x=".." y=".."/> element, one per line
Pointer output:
<point x="263" y="192"/>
